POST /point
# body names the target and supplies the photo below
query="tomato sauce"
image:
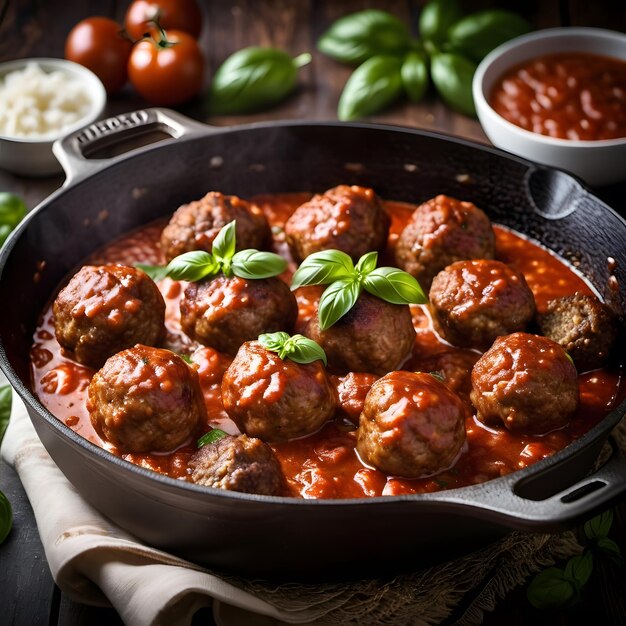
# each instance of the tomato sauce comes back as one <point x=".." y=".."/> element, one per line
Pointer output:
<point x="571" y="95"/>
<point x="325" y="464"/>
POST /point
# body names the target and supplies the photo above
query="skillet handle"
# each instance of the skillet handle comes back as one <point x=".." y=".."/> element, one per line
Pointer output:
<point x="590" y="495"/>
<point x="132" y="132"/>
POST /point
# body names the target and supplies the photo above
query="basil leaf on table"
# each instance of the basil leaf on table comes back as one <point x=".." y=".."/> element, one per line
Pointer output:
<point x="414" y="73"/>
<point x="372" y="86"/>
<point x="550" y="589"/>
<point x="254" y="78"/>
<point x="437" y="17"/>
<point x="6" y="400"/>
<point x="297" y="348"/>
<point x="256" y="264"/>
<point x="338" y="298"/>
<point x="323" y="267"/>
<point x="452" y="75"/>
<point x="12" y="211"/>
<point x="479" y="33"/>
<point x="359" y="36"/>
<point x="6" y="517"/>
<point x="579" y="568"/>
<point x="611" y="549"/>
<point x="599" y="526"/>
<point x="394" y="285"/>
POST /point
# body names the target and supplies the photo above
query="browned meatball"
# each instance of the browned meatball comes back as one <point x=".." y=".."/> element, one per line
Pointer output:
<point x="239" y="463"/>
<point x="374" y="336"/>
<point x="525" y="382"/>
<point x="146" y="400"/>
<point x="194" y="226"/>
<point x="473" y="302"/>
<point x="351" y="219"/>
<point x="273" y="399"/>
<point x="412" y="425"/>
<point x="584" y="327"/>
<point x="105" y="309"/>
<point x="351" y="392"/>
<point x="224" y="312"/>
<point x="441" y="231"/>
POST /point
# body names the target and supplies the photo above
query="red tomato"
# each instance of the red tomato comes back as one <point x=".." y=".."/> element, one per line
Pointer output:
<point x="182" y="15"/>
<point x="167" y="71"/>
<point x="97" y="44"/>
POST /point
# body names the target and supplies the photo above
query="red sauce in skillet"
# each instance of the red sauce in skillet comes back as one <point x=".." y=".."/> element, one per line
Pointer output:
<point x="325" y="465"/>
<point x="571" y="95"/>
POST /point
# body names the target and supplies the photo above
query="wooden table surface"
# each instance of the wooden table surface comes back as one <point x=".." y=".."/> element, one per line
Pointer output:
<point x="33" y="28"/>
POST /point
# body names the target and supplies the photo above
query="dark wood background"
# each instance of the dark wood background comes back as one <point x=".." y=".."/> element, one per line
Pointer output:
<point x="34" y="28"/>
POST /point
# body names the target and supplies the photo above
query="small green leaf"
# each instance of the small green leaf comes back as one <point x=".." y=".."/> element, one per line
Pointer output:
<point x="372" y="86"/>
<point x="551" y="589"/>
<point x="611" y="548"/>
<point x="599" y="526"/>
<point x="367" y="263"/>
<point x="192" y="266"/>
<point x="5" y="231"/>
<point x="6" y="517"/>
<point x="298" y="348"/>
<point x="257" y="264"/>
<point x="414" y="73"/>
<point x="211" y="437"/>
<point x="337" y="299"/>
<point x="6" y="401"/>
<point x="359" y="36"/>
<point x="579" y="568"/>
<point x="224" y="243"/>
<point x="436" y="18"/>
<point x="438" y="375"/>
<point x="321" y="268"/>
<point x="156" y="272"/>
<point x="395" y="286"/>
<point x="452" y="76"/>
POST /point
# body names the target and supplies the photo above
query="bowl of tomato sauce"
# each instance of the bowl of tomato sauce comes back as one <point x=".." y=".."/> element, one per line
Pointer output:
<point x="558" y="97"/>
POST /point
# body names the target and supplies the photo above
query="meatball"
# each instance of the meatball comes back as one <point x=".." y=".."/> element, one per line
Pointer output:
<point x="583" y="326"/>
<point x="146" y="400"/>
<point x="441" y="231"/>
<point x="194" y="226"/>
<point x="224" y="312"/>
<point x="351" y="219"/>
<point x="525" y="382"/>
<point x="412" y="425"/>
<point x="351" y="392"/>
<point x="374" y="336"/>
<point x="239" y="463"/>
<point x="105" y="309"/>
<point x="273" y="399"/>
<point x="473" y="302"/>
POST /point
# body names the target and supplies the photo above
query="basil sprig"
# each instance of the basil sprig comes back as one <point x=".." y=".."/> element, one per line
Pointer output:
<point x="199" y="264"/>
<point x="6" y="514"/>
<point x="298" y="348"/>
<point x="346" y="281"/>
<point x="254" y="78"/>
<point x="211" y="437"/>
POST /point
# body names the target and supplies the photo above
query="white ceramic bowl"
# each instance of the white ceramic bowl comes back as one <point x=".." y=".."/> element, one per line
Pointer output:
<point x="32" y="156"/>
<point x="596" y="162"/>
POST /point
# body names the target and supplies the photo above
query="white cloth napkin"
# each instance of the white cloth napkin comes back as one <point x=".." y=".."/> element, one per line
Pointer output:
<point x="95" y="562"/>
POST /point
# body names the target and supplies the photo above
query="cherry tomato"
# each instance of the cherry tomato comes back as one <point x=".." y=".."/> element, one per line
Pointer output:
<point x="167" y="70"/>
<point x="97" y="43"/>
<point x="182" y="15"/>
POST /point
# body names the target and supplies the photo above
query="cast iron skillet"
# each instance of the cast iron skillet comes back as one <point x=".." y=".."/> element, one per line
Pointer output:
<point x="286" y="537"/>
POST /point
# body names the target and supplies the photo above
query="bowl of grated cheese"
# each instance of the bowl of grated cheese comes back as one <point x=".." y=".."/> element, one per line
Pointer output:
<point x="42" y="100"/>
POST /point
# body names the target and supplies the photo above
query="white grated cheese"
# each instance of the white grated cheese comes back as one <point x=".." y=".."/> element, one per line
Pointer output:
<point x="35" y="103"/>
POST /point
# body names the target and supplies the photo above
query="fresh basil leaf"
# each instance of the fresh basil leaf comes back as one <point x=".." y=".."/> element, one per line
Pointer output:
<point x="611" y="548"/>
<point x="356" y="37"/>
<point x="373" y="86"/>
<point x="452" y="75"/>
<point x="6" y="400"/>
<point x="273" y="342"/>
<point x="211" y="437"/>
<point x="367" y="263"/>
<point x="12" y="209"/>
<point x="338" y="298"/>
<point x="395" y="286"/>
<point x="579" y="568"/>
<point x="254" y="78"/>
<point x="478" y="34"/>
<point x="414" y="73"/>
<point x="224" y="243"/>
<point x="156" y="272"/>
<point x="192" y="266"/>
<point x="551" y="589"/>
<point x="321" y="268"/>
<point x="599" y="526"/>
<point x="6" y="517"/>
<point x="437" y="17"/>
<point x="257" y="264"/>
<point x="5" y="231"/>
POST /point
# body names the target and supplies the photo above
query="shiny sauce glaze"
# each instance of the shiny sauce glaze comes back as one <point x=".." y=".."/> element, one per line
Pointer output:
<point x="325" y="464"/>
<point x="572" y="95"/>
